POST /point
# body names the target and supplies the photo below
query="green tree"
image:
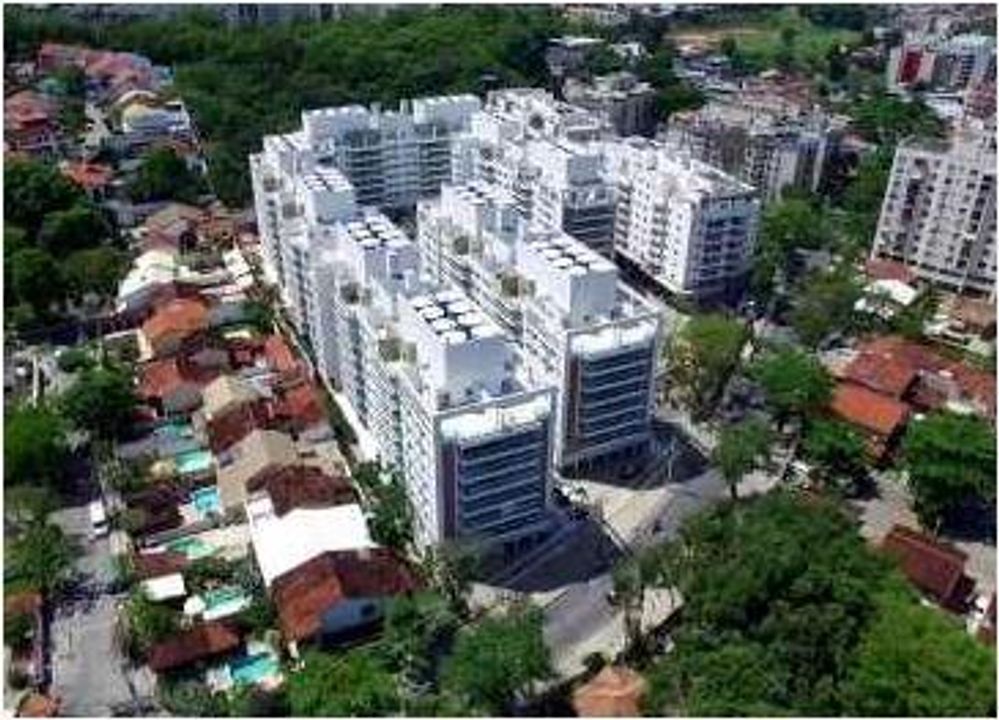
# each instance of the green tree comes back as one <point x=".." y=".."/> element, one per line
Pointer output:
<point x="101" y="402"/>
<point x="148" y="623"/>
<point x="950" y="458"/>
<point x="32" y="190"/>
<point x="41" y="557"/>
<point x="861" y="201"/>
<point x="703" y="355"/>
<point x="164" y="175"/>
<point x="795" y="383"/>
<point x="825" y="305"/>
<point x="742" y="448"/>
<point x="37" y="280"/>
<point x="25" y="504"/>
<point x="95" y="270"/>
<point x="417" y="628"/>
<point x="496" y="661"/>
<point x="915" y="661"/>
<point x="787" y="225"/>
<point x="886" y="120"/>
<point x="836" y="449"/>
<point x="343" y="684"/>
<point x="35" y="449"/>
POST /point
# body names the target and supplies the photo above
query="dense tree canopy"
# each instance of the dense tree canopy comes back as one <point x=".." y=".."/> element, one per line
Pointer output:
<point x="344" y="684"/>
<point x="101" y="402"/>
<point x="164" y="175"/>
<point x="795" y="383"/>
<point x="80" y="226"/>
<point x="824" y="305"/>
<point x="788" y="612"/>
<point x="32" y="190"/>
<point x="703" y="355"/>
<point x="95" y="270"/>
<point x="34" y="447"/>
<point x="886" y="120"/>
<point x="36" y="280"/>
<point x="950" y="458"/>
<point x="496" y="661"/>
<point x="741" y="448"/>
<point x="836" y="449"/>
<point x="41" y="557"/>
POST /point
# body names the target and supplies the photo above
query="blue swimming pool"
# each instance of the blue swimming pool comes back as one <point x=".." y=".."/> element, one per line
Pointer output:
<point x="206" y="501"/>
<point x="254" y="668"/>
<point x="175" y="431"/>
<point x="193" y="461"/>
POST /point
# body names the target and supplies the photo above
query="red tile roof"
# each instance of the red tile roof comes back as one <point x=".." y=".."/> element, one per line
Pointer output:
<point x="235" y="424"/>
<point x="183" y="316"/>
<point x="881" y="269"/>
<point x="160" y="378"/>
<point x="199" y="643"/>
<point x="280" y="355"/>
<point x="89" y="176"/>
<point x="615" y="691"/>
<point x="23" y="603"/>
<point x="158" y="564"/>
<point x="871" y="411"/>
<point x="38" y="705"/>
<point x="935" y="568"/>
<point x="302" y="486"/>
<point x="304" y="594"/>
<point x="889" y="376"/>
<point x="301" y="405"/>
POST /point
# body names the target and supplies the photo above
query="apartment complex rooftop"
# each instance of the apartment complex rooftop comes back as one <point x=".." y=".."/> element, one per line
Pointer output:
<point x="680" y="174"/>
<point x="453" y="318"/>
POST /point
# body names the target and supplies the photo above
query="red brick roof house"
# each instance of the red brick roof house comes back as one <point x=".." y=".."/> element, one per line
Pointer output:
<point x="881" y="269"/>
<point x="38" y="705"/>
<point x="202" y="642"/>
<point x="56" y="56"/>
<point x="30" y="124"/>
<point x="30" y="660"/>
<point x="338" y="594"/>
<point x="879" y="417"/>
<point x="889" y="376"/>
<point x="175" y="227"/>
<point x="280" y="357"/>
<point x="935" y="568"/>
<point x="164" y="332"/>
<point x="173" y="386"/>
<point x="615" y="691"/>
<point x="158" y="564"/>
<point x="94" y="178"/>
<point x="302" y="486"/>
<point x="299" y="407"/>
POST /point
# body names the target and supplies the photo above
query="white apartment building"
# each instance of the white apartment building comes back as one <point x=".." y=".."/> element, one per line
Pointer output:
<point x="687" y="225"/>
<point x="582" y="330"/>
<point x="936" y="61"/>
<point x="439" y="387"/>
<point x="543" y="152"/>
<point x="939" y="211"/>
<point x="390" y="158"/>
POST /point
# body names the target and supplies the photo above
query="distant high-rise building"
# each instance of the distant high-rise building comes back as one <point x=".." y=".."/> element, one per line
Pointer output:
<point x="624" y="102"/>
<point x="939" y="210"/>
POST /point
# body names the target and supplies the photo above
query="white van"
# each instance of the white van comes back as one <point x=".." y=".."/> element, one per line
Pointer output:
<point x="98" y="519"/>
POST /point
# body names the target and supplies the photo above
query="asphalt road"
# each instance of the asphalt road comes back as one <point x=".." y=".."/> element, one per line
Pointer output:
<point x="88" y="672"/>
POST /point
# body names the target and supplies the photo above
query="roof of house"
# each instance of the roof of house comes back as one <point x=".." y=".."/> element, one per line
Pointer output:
<point x="165" y="587"/>
<point x="283" y="542"/>
<point x="974" y="312"/>
<point x="188" y="646"/>
<point x="38" y="705"/>
<point x="305" y="593"/>
<point x="258" y="451"/>
<point x="149" y="565"/>
<point x="185" y="316"/>
<point x="22" y="603"/>
<point x="226" y="392"/>
<point x="90" y="176"/>
<point x="301" y="404"/>
<point x="302" y="486"/>
<point x="160" y="378"/>
<point x="870" y="410"/>
<point x="935" y="568"/>
<point x="890" y="376"/>
<point x="173" y="215"/>
<point x="279" y="354"/>
<point x="615" y="691"/>
<point x="881" y="269"/>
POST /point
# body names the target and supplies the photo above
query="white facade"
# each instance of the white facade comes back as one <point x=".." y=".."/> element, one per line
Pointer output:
<point x="687" y="225"/>
<point x="581" y="330"/>
<point x="937" y="61"/>
<point x="543" y="152"/>
<point x="437" y="384"/>
<point x="389" y="159"/>
<point x="939" y="211"/>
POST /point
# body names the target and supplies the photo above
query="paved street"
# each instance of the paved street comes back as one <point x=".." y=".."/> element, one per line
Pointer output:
<point x="87" y="669"/>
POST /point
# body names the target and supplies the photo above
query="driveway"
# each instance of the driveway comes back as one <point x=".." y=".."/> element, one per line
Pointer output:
<point x="89" y="674"/>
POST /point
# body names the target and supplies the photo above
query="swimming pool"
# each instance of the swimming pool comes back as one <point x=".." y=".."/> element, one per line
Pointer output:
<point x="254" y="668"/>
<point x="224" y="601"/>
<point x="193" y="461"/>
<point x="193" y="548"/>
<point x="206" y="501"/>
<point x="175" y="431"/>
